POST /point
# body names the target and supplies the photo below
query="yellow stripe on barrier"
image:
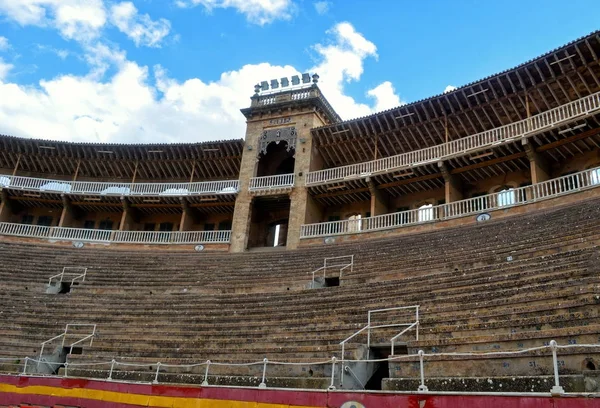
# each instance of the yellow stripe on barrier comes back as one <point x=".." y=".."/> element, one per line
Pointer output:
<point x="136" y="399"/>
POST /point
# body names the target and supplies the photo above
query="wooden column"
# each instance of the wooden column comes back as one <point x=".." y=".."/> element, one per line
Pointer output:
<point x="127" y="218"/>
<point x="379" y="199"/>
<point x="77" y="170"/>
<point x="14" y="173"/>
<point x="453" y="185"/>
<point x="188" y="216"/>
<point x="539" y="168"/>
<point x="68" y="215"/>
<point x="6" y="209"/>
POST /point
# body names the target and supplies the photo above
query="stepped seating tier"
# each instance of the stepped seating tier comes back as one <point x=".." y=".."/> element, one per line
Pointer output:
<point x="502" y="285"/>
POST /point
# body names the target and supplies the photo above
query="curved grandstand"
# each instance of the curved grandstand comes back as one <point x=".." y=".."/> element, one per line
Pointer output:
<point x="322" y="253"/>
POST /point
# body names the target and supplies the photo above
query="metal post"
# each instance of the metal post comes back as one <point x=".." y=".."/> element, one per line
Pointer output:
<point x="332" y="386"/>
<point x="157" y="371"/>
<point x="25" y="365"/>
<point x="392" y="347"/>
<point x="66" y="369"/>
<point x="41" y="353"/>
<point x="205" y="382"/>
<point x="112" y="367"/>
<point x="369" y="330"/>
<point x="557" y="389"/>
<point x="263" y="384"/>
<point x="417" y="328"/>
<point x="422" y="387"/>
<point x="343" y="363"/>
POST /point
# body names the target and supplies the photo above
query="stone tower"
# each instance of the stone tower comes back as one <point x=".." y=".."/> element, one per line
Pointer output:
<point x="273" y="201"/>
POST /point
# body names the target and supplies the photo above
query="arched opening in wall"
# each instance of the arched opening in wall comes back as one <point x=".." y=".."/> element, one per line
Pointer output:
<point x="426" y="213"/>
<point x="354" y="223"/>
<point x="279" y="159"/>
<point x="269" y="222"/>
<point x="506" y="196"/>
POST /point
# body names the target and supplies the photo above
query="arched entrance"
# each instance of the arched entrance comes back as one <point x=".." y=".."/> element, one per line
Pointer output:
<point x="277" y="160"/>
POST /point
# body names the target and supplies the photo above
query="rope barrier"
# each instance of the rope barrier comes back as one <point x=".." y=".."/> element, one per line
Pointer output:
<point x="420" y="357"/>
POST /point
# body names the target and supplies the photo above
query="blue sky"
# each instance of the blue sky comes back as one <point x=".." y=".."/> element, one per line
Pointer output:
<point x="180" y="70"/>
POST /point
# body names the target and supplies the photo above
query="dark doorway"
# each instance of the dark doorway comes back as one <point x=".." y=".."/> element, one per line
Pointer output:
<point x="382" y="369"/>
<point x="269" y="222"/>
<point x="277" y="160"/>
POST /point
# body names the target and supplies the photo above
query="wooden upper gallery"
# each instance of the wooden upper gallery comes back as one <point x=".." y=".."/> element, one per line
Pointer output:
<point x="555" y="78"/>
<point x="219" y="160"/>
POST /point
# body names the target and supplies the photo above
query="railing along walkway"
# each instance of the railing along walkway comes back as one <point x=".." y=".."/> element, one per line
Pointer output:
<point x="523" y="195"/>
<point x="108" y="236"/>
<point x="268" y="183"/>
<point x="119" y="189"/>
<point x="508" y="133"/>
<point x="111" y="367"/>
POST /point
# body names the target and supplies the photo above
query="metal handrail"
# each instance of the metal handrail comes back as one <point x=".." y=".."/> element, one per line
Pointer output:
<point x="271" y="182"/>
<point x="326" y="266"/>
<point x="64" y="273"/>
<point x="369" y="327"/>
<point x="129" y="237"/>
<point x="521" y="129"/>
<point x="102" y="188"/>
<point x="571" y="183"/>
<point x="64" y="334"/>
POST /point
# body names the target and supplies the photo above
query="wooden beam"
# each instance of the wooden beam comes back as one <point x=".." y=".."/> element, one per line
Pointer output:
<point x="488" y="163"/>
<point x="410" y="180"/>
<point x="570" y="139"/>
<point x="342" y="192"/>
<point x="213" y="204"/>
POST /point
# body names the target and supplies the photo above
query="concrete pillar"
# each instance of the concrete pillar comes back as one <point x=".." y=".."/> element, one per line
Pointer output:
<point x="127" y="218"/>
<point x="539" y="168"/>
<point x="68" y="215"/>
<point x="453" y="184"/>
<point x="6" y="209"/>
<point x="379" y="199"/>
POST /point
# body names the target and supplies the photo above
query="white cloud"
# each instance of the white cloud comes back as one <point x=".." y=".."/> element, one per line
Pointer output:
<point x="449" y="88"/>
<point x="322" y="7"/>
<point x="385" y="96"/>
<point x="259" y="12"/>
<point x="80" y="20"/>
<point x="4" y="44"/>
<point x="342" y="61"/>
<point x="4" y="69"/>
<point x="84" y="20"/>
<point x="140" y="28"/>
<point x="139" y="104"/>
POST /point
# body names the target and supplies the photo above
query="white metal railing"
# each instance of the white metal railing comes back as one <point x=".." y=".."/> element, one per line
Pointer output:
<point x="74" y="272"/>
<point x="63" y="337"/>
<point x="340" y="262"/>
<point x="524" y="128"/>
<point x="369" y="327"/>
<point x="271" y="182"/>
<point x="129" y="237"/>
<point x="119" y="189"/>
<point x="523" y="195"/>
<point x="111" y="367"/>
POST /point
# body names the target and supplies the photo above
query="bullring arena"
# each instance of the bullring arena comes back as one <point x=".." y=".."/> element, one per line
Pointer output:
<point x="443" y="253"/>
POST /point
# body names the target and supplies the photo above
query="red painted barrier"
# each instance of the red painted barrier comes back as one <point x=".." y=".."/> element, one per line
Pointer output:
<point x="50" y="391"/>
